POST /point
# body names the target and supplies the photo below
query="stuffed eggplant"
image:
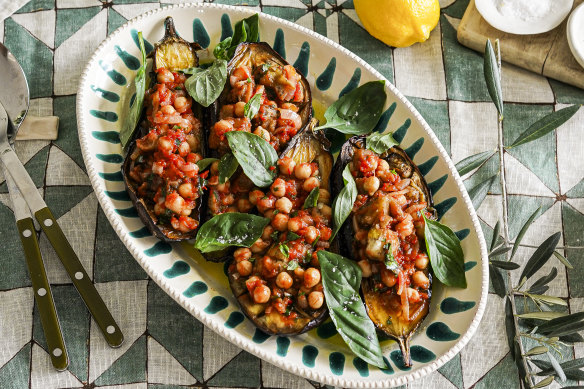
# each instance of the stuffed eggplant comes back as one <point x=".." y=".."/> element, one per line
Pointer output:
<point x="284" y="110"/>
<point x="277" y="280"/>
<point x="160" y="170"/>
<point x="385" y="234"/>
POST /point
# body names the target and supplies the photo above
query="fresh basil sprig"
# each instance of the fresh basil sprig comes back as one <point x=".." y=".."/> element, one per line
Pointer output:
<point x="312" y="199"/>
<point x="380" y="143"/>
<point x="230" y="229"/>
<point x="252" y="107"/>
<point x="227" y="166"/>
<point x="205" y="85"/>
<point x="136" y="108"/>
<point x="341" y="280"/>
<point x="255" y="156"/>
<point x="445" y="253"/>
<point x="246" y="30"/>
<point x="343" y="204"/>
<point x="205" y="163"/>
<point x="358" y="111"/>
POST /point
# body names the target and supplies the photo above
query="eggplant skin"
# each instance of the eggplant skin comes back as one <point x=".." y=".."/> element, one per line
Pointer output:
<point x="307" y="146"/>
<point x="379" y="303"/>
<point x="143" y="207"/>
<point x="173" y="52"/>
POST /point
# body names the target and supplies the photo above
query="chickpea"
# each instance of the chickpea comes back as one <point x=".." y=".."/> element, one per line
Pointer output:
<point x="284" y="280"/>
<point x="261" y="294"/>
<point x="267" y="233"/>
<point x="255" y="195"/>
<point x="164" y="76"/>
<point x="174" y="202"/>
<point x="388" y="277"/>
<point x="278" y="188"/>
<point x="310" y="184"/>
<point x="294" y="224"/>
<point x="311" y="234"/>
<point x="266" y="203"/>
<point x="311" y="277"/>
<point x="422" y="261"/>
<point x="315" y="299"/>
<point x="325" y="210"/>
<point x="283" y="204"/>
<point x="324" y="196"/>
<point x="231" y="209"/>
<point x="299" y="272"/>
<point x="244" y="268"/>
<point x="242" y="254"/>
<point x="226" y="111"/>
<point x="287" y="165"/>
<point x="365" y="267"/>
<point x="420" y="279"/>
<point x="228" y="200"/>
<point x="302" y="301"/>
<point x="214" y="168"/>
<point x="223" y="188"/>
<point x="157" y="168"/>
<point x="413" y="295"/>
<point x="181" y="104"/>
<point x="168" y="110"/>
<point x="165" y="145"/>
<point x="243" y="205"/>
<point x="270" y="214"/>
<point x="184" y="149"/>
<point x="280" y="222"/>
<point x="302" y="171"/>
<point x="259" y="246"/>
<point x="370" y="185"/>
<point x="262" y="133"/>
<point x="238" y="109"/>
<point x="186" y="190"/>
<point x="383" y="171"/>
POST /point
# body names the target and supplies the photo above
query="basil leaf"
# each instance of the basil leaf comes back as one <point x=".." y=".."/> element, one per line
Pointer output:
<point x="255" y="156"/>
<point x="292" y="236"/>
<point x="205" y="163"/>
<point x="343" y="204"/>
<point x="230" y="229"/>
<point x="220" y="51"/>
<point x="358" y="111"/>
<point x="445" y="254"/>
<point x="191" y="71"/>
<point x="135" y="109"/>
<point x="341" y="279"/>
<point x="380" y="143"/>
<point x="284" y="249"/>
<point x="246" y="30"/>
<point x="227" y="166"/>
<point x="206" y="85"/>
<point x="252" y="107"/>
<point x="312" y="199"/>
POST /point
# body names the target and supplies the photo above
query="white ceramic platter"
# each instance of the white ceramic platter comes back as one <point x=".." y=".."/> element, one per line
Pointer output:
<point x="529" y="17"/>
<point x="201" y="287"/>
<point x="575" y="33"/>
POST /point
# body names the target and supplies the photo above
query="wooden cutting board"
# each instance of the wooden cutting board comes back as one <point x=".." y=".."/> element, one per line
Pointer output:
<point x="547" y="54"/>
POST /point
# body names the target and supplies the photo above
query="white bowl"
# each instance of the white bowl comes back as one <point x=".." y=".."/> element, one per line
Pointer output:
<point x="575" y="33"/>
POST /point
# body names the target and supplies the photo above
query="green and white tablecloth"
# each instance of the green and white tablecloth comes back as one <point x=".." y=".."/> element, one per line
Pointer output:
<point x="165" y="347"/>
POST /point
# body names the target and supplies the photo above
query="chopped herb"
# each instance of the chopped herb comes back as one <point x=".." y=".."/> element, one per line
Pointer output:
<point x="165" y="217"/>
<point x="292" y="265"/>
<point x="177" y="142"/>
<point x="390" y="262"/>
<point x="140" y="159"/>
<point x="276" y="211"/>
<point x="176" y="127"/>
<point x="315" y="241"/>
<point x="393" y="172"/>
<point x="288" y="311"/>
<point x="275" y="235"/>
<point x="178" y="88"/>
<point x="312" y="199"/>
<point x="294" y="214"/>
<point x="388" y="321"/>
<point x="292" y="236"/>
<point x="265" y="66"/>
<point x="301" y="293"/>
<point x="249" y="80"/>
<point x="284" y="250"/>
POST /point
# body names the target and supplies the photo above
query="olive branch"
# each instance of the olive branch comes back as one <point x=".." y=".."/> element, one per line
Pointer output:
<point x="539" y="322"/>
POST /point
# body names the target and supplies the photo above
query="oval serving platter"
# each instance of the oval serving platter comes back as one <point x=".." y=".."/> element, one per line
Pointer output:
<point x="201" y="287"/>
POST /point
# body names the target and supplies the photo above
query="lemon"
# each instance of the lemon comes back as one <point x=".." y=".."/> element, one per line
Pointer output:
<point x="399" y="23"/>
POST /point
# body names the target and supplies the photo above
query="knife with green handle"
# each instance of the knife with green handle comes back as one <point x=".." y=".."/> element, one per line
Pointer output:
<point x="102" y="316"/>
<point x="40" y="284"/>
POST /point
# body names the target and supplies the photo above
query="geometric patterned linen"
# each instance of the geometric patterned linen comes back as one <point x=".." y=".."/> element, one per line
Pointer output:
<point x="165" y="347"/>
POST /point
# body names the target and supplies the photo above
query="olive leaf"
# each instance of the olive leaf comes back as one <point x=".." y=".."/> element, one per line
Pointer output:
<point x="255" y="156"/>
<point x="499" y="250"/>
<point x="543" y="383"/>
<point x="227" y="166"/>
<point x="524" y="230"/>
<point x="205" y="163"/>
<point x="341" y="280"/>
<point x="252" y="107"/>
<point x="510" y="330"/>
<point x="479" y="192"/>
<point x="497" y="281"/>
<point x="380" y="143"/>
<point x="547" y="315"/>
<point x="135" y="109"/>
<point x="537" y="350"/>
<point x="543" y="281"/>
<point x="206" y="85"/>
<point x="546" y="368"/>
<point x="571" y="339"/>
<point x="343" y="204"/>
<point x="563" y="259"/>
<point x="230" y="229"/>
<point x="496" y="232"/>
<point x="557" y="367"/>
<point x="445" y="253"/>
<point x="548" y="299"/>
<point x="505" y="265"/>
<point x="358" y="111"/>
<point x="493" y="77"/>
<point x="312" y="199"/>
<point x="541" y="255"/>
<point x="468" y="164"/>
<point x="544" y="125"/>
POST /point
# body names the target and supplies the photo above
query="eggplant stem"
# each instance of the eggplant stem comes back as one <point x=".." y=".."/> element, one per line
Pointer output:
<point x="404" y="346"/>
<point x="169" y="29"/>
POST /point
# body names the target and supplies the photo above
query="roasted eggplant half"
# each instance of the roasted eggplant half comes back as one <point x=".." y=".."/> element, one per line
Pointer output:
<point x="160" y="170"/>
<point x="385" y="234"/>
<point x="277" y="280"/>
